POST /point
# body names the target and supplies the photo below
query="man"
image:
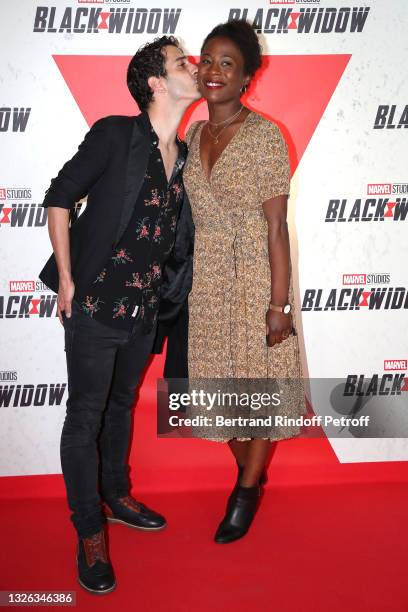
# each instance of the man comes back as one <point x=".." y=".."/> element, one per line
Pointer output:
<point x="107" y="269"/>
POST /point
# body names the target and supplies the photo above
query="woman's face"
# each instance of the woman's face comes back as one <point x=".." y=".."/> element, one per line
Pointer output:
<point x="221" y="71"/>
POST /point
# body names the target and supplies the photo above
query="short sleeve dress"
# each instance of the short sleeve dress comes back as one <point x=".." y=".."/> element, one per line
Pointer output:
<point x="231" y="272"/>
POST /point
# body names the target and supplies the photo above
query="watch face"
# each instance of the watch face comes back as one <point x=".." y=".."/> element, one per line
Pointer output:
<point x="287" y="308"/>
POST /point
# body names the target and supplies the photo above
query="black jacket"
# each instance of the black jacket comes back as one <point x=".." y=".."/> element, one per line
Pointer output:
<point x="109" y="168"/>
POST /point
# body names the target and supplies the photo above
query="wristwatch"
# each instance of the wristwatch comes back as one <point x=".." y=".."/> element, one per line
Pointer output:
<point x="286" y="308"/>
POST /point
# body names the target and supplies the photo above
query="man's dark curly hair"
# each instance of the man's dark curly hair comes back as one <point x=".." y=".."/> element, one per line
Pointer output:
<point x="148" y="61"/>
<point x="243" y="35"/>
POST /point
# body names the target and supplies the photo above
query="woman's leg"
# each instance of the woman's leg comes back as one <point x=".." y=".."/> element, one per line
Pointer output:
<point x="248" y="462"/>
<point x="258" y="452"/>
<point x="239" y="450"/>
<point x="244" y="499"/>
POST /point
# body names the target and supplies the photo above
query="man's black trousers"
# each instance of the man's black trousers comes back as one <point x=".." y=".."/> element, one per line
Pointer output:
<point x="104" y="367"/>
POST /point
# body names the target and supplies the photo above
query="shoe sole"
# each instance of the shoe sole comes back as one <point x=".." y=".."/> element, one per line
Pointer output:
<point x="94" y="592"/>
<point x="230" y="541"/>
<point x="114" y="520"/>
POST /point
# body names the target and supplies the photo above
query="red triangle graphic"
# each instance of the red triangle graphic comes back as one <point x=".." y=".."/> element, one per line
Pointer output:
<point x="293" y="90"/>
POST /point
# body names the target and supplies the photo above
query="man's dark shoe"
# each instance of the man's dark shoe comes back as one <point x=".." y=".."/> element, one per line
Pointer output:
<point x="95" y="572"/>
<point x="128" y="511"/>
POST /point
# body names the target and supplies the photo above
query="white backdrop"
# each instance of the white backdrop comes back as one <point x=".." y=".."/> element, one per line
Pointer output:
<point x="345" y="154"/>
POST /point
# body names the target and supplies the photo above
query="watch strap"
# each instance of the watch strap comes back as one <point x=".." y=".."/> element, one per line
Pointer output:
<point x="278" y="308"/>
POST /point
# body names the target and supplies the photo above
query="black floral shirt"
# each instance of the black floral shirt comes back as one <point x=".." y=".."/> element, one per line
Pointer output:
<point x="129" y="284"/>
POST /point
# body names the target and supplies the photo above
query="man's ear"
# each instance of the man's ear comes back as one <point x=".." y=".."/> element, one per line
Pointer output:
<point x="156" y="85"/>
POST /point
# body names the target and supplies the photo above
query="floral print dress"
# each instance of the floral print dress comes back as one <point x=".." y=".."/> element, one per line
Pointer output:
<point x="231" y="273"/>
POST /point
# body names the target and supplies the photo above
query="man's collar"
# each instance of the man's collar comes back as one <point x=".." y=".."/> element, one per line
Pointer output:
<point x="145" y="124"/>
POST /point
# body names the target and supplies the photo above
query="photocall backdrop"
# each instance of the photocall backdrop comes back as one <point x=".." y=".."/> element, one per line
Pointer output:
<point x="333" y="79"/>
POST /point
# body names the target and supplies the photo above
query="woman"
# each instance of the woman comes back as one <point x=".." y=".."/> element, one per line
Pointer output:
<point x="237" y="179"/>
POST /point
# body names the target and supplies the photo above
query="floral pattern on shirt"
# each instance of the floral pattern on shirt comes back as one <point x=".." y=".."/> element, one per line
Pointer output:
<point x="136" y="282"/>
<point x="91" y="305"/>
<point x="132" y="276"/>
<point x="154" y="200"/>
<point x="178" y="191"/>
<point x="157" y="234"/>
<point x="120" y="307"/>
<point x="142" y="228"/>
<point x="122" y="256"/>
<point x="101" y="276"/>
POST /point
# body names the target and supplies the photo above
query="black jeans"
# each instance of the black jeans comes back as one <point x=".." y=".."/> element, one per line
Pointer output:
<point x="104" y="367"/>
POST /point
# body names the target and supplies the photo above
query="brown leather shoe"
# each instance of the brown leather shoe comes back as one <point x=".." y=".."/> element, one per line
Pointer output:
<point x="95" y="572"/>
<point x="128" y="511"/>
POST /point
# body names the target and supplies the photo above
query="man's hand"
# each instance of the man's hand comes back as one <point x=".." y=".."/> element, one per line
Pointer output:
<point x="278" y="327"/>
<point x="65" y="295"/>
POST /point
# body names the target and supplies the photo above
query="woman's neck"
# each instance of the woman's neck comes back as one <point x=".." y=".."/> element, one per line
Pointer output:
<point x="222" y="112"/>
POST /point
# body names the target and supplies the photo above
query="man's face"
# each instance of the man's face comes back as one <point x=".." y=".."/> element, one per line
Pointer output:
<point x="181" y="79"/>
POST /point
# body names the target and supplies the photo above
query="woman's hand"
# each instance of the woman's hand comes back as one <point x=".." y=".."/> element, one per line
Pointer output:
<point x="278" y="327"/>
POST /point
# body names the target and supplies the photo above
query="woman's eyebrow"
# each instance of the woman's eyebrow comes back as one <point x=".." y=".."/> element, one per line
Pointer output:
<point x="222" y="55"/>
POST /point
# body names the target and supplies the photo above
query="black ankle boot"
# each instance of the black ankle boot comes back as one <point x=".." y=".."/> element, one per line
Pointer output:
<point x="241" y="508"/>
